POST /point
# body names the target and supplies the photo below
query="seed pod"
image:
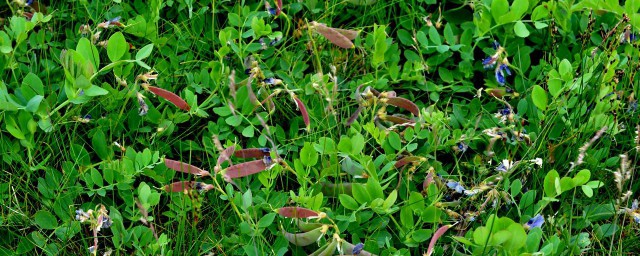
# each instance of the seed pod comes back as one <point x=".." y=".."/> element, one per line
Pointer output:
<point x="304" y="112"/>
<point x="306" y="238"/>
<point x="252" y="152"/>
<point x="184" y="167"/>
<point x="354" y="116"/>
<point x="332" y="35"/>
<point x="171" y="97"/>
<point x="307" y="226"/>
<point x="245" y="169"/>
<point x="224" y="156"/>
<point x="348" y="33"/>
<point x="436" y="236"/>
<point x="403" y="103"/>
<point x="296" y="212"/>
<point x="397" y="120"/>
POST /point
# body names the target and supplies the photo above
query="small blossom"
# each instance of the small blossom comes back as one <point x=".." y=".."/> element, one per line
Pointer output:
<point x="262" y="43"/>
<point x="505" y="165"/>
<point x="144" y="108"/>
<point x="270" y="10"/>
<point x="82" y="216"/>
<point x="462" y="147"/>
<point x="147" y="76"/>
<point x="357" y="249"/>
<point x="535" y="222"/>
<point x="272" y="81"/>
<point x="84" y="29"/>
<point x="455" y="186"/>
<point x="537" y="161"/>
<point x="115" y="22"/>
<point x="275" y="41"/>
<point x="92" y="249"/>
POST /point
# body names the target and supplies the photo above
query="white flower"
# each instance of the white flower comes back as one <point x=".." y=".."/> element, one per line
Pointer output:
<point x="505" y="166"/>
<point x="537" y="161"/>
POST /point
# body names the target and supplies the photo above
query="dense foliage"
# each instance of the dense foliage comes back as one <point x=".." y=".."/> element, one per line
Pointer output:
<point x="191" y="127"/>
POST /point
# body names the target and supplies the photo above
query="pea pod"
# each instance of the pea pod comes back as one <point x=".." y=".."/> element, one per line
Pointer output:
<point x="328" y="250"/>
<point x="308" y="226"/>
<point x="306" y="238"/>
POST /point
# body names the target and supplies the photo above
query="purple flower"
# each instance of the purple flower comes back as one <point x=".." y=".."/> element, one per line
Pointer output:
<point x="535" y="222"/>
<point x="357" y="248"/>
<point x="489" y="62"/>
<point x="462" y="147"/>
<point x="29" y="2"/>
<point x="267" y="160"/>
<point x="456" y="186"/>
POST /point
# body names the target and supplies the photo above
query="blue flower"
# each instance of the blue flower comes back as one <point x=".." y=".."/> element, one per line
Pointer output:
<point x="29" y="2"/>
<point x="496" y="45"/>
<point x="456" y="186"/>
<point x="265" y="150"/>
<point x="535" y="222"/>
<point x="357" y="248"/>
<point x="489" y="62"/>
<point x="267" y="160"/>
<point x="500" y="73"/>
<point x="462" y="147"/>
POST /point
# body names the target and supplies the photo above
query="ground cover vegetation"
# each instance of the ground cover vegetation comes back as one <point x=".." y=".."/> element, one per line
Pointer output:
<point x="355" y="127"/>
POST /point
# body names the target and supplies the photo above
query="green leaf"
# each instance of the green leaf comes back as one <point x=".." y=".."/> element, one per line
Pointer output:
<point x="521" y="29"/>
<point x="144" y="191"/>
<point x="144" y="52"/>
<point x="549" y="183"/>
<point x="516" y="187"/>
<point x="391" y="199"/>
<point x="499" y="8"/>
<point x="533" y="240"/>
<point x="308" y="155"/>
<point x="374" y="189"/>
<point x="582" y="177"/>
<point x="45" y="220"/>
<point x="345" y="145"/>
<point x="33" y="82"/>
<point x="431" y="214"/>
<point x="394" y="140"/>
<point x="539" y="97"/>
<point x="96" y="177"/>
<point x="555" y="87"/>
<point x="100" y="145"/>
<point x="434" y="36"/>
<point x="565" y="68"/>
<point x="13" y="128"/>
<point x="116" y="46"/>
<point x="360" y="193"/>
<point x="588" y="191"/>
<point x="380" y="45"/>
<point x="89" y="52"/>
<point x="233" y="120"/>
<point x="348" y="202"/>
<point x="248" y="132"/>
<point x="421" y="235"/>
<point x="406" y="218"/>
<point x="266" y="220"/>
<point x="357" y="143"/>
<point x="34" y="103"/>
<point x="95" y="91"/>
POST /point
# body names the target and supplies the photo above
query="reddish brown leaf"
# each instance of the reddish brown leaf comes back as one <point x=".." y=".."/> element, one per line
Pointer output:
<point x="333" y="35"/>
<point x="296" y="212"/>
<point x="224" y="156"/>
<point x="303" y="111"/>
<point x="436" y="236"/>
<point x="171" y="97"/>
<point x="252" y="153"/>
<point x="405" y="104"/>
<point x="184" y="167"/>
<point x="245" y="169"/>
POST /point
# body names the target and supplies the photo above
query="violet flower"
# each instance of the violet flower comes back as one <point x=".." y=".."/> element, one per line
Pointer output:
<point x="535" y="222"/>
<point x="456" y="186"/>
